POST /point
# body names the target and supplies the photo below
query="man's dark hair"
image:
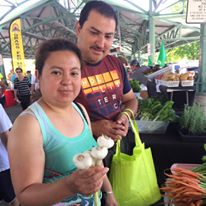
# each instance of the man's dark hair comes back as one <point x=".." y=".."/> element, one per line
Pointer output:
<point x="54" y="45"/>
<point x="134" y="62"/>
<point x="99" y="6"/>
<point x="18" y="69"/>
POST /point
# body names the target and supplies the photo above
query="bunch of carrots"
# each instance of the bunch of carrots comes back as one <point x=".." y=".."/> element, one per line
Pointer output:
<point x="185" y="187"/>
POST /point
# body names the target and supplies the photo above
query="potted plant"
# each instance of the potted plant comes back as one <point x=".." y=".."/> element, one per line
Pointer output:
<point x="192" y="123"/>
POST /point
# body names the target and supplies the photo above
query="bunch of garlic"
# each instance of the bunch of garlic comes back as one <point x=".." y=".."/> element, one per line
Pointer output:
<point x="94" y="157"/>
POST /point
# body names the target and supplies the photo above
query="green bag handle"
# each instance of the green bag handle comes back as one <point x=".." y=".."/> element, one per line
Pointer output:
<point x="135" y="129"/>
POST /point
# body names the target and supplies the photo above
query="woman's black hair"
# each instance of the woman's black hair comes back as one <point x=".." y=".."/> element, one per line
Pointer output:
<point x="54" y="45"/>
<point x="99" y="6"/>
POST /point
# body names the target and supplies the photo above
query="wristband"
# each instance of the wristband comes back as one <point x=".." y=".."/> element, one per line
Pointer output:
<point x="109" y="192"/>
<point x="130" y="111"/>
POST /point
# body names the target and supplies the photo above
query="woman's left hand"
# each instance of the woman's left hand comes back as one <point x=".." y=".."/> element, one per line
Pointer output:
<point x="110" y="200"/>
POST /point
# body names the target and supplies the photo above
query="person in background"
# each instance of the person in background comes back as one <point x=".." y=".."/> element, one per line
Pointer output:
<point x="29" y="75"/>
<point x="2" y="90"/>
<point x="11" y="77"/>
<point x="46" y="136"/>
<point x="134" y="65"/>
<point x="6" y="187"/>
<point x="22" y="91"/>
<point x="105" y="91"/>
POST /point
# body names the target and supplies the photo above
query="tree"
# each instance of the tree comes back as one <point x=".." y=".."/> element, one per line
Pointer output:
<point x="190" y="51"/>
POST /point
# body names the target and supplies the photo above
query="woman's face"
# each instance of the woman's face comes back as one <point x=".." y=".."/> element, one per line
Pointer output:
<point x="60" y="81"/>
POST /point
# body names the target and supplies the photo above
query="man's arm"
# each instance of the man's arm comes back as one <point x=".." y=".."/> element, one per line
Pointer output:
<point x="130" y="102"/>
<point x="130" y="105"/>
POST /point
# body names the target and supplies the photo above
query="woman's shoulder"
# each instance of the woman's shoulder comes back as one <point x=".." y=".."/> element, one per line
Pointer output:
<point x="26" y="119"/>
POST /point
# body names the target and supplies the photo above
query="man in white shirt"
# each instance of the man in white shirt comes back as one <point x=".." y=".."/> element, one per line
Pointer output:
<point x="6" y="188"/>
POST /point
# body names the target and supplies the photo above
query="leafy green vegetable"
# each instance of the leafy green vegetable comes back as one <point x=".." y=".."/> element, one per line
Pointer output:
<point x="153" y="109"/>
<point x="193" y="119"/>
<point x="135" y="85"/>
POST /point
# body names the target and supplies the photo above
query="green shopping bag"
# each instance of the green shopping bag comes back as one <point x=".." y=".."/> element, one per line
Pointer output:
<point x="133" y="178"/>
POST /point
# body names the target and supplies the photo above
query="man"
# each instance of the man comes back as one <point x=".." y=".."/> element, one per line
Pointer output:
<point x="6" y="188"/>
<point x="134" y="64"/>
<point x="22" y="91"/>
<point x="106" y="92"/>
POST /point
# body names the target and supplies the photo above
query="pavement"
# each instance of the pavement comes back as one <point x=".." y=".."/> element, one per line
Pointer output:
<point x="13" y="111"/>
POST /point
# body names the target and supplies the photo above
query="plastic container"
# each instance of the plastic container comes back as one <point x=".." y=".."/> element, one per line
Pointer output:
<point x="152" y="127"/>
<point x="192" y="137"/>
<point x="187" y="83"/>
<point x="169" y="83"/>
<point x="9" y="96"/>
<point x="181" y="165"/>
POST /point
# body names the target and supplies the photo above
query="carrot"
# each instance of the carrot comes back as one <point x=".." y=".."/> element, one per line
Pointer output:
<point x="184" y="187"/>
<point x="186" y="171"/>
<point x="183" y="178"/>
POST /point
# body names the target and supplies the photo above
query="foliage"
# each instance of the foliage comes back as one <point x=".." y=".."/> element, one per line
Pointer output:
<point x="135" y="85"/>
<point x="190" y="51"/>
<point x="153" y="109"/>
<point x="193" y="120"/>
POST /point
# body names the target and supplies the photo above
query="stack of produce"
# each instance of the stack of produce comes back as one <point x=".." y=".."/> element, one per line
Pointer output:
<point x="193" y="120"/>
<point x="154" y="110"/>
<point x="185" y="187"/>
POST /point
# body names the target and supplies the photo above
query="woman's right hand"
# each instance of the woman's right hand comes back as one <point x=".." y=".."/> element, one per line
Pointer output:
<point x="86" y="181"/>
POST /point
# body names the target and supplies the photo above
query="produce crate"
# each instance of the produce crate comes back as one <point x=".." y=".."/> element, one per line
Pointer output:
<point x="169" y="83"/>
<point x="152" y="127"/>
<point x="187" y="83"/>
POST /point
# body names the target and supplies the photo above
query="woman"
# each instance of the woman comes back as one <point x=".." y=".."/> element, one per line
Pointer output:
<point x="50" y="132"/>
<point x="22" y="91"/>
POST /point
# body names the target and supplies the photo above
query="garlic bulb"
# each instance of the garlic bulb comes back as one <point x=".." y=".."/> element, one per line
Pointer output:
<point x="83" y="160"/>
<point x="99" y="153"/>
<point x="105" y="141"/>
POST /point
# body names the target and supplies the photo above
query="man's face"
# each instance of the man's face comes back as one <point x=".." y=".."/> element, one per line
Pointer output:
<point x="96" y="36"/>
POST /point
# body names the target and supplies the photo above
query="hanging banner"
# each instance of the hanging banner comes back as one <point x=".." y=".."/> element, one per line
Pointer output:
<point x="17" y="50"/>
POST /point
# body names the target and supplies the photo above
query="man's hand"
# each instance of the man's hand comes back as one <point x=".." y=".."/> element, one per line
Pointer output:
<point x="112" y="129"/>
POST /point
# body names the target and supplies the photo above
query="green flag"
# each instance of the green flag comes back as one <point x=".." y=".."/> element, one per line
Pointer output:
<point x="162" y="56"/>
<point x="150" y="61"/>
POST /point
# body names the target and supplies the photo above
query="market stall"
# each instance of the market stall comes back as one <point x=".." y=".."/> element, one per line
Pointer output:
<point x="169" y="148"/>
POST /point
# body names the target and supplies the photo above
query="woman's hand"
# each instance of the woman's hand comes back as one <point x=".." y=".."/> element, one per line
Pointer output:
<point x="86" y="181"/>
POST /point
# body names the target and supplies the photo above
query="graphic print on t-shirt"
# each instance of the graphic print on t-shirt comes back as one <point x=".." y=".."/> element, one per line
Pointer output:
<point x="103" y="91"/>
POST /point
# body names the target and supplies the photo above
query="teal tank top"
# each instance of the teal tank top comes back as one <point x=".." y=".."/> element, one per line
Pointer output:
<point x="60" y="150"/>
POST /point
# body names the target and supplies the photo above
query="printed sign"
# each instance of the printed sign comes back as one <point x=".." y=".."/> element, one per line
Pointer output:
<point x="196" y="11"/>
<point x="17" y="50"/>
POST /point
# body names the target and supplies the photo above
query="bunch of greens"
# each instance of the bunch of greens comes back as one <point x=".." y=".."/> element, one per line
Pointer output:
<point x="135" y="85"/>
<point x="193" y="120"/>
<point x="154" y="110"/>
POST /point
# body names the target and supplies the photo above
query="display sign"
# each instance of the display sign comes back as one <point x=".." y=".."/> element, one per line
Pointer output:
<point x="17" y="49"/>
<point x="196" y="11"/>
